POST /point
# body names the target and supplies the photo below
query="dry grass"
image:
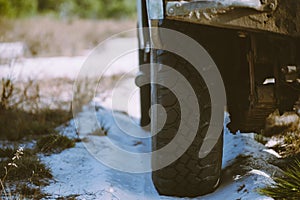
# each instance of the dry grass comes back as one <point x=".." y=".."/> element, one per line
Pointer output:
<point x="18" y="124"/>
<point x="276" y="123"/>
<point x="36" y="108"/>
<point x="19" y="96"/>
<point x="22" y="174"/>
<point x="29" y="168"/>
<point x="284" y="128"/>
<point x="52" y="37"/>
<point x="22" y="113"/>
<point x="54" y="143"/>
<point x="27" y="192"/>
<point x="26" y="114"/>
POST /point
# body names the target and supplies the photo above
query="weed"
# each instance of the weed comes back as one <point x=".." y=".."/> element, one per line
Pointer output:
<point x="277" y="124"/>
<point x="17" y="124"/>
<point x="29" y="192"/>
<point x="10" y="152"/>
<point x="20" y="170"/>
<point x="21" y="114"/>
<point x="287" y="187"/>
<point x="69" y="197"/>
<point x="25" y="168"/>
<point x="6" y="93"/>
<point x="260" y="139"/>
<point x="54" y="143"/>
<point x="99" y="132"/>
<point x="289" y="144"/>
<point x="286" y="129"/>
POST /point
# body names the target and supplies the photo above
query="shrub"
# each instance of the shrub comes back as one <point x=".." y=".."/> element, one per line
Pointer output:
<point x="117" y="8"/>
<point x="68" y="8"/>
<point x="48" y="5"/>
<point x="17" y="8"/>
<point x="5" y="8"/>
<point x="24" y="8"/>
<point x="97" y="9"/>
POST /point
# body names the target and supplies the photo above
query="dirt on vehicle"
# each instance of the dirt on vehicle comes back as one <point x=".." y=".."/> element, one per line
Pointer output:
<point x="283" y="19"/>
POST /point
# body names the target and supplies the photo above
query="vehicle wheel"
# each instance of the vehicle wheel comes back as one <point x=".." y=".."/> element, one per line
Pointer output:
<point x="188" y="176"/>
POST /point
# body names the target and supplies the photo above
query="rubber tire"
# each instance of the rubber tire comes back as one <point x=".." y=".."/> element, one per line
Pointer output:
<point x="188" y="176"/>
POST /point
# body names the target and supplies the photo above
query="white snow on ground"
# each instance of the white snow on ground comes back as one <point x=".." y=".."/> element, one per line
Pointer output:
<point x="76" y="171"/>
<point x="12" y="50"/>
<point x="69" y="67"/>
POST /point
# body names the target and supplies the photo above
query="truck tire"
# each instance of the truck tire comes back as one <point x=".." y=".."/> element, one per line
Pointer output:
<point x="188" y="176"/>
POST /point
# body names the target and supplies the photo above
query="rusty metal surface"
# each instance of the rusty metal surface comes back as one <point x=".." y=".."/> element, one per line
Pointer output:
<point x="181" y="8"/>
<point x="285" y="19"/>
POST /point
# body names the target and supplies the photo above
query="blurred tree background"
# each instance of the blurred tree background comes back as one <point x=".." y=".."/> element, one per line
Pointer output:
<point x="91" y="9"/>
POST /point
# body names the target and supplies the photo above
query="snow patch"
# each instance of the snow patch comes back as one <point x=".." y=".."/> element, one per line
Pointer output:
<point x="76" y="171"/>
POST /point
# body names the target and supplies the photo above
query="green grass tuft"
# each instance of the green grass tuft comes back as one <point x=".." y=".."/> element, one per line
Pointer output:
<point x="287" y="187"/>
